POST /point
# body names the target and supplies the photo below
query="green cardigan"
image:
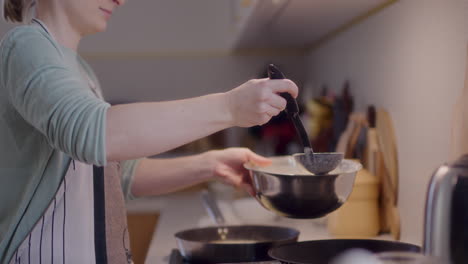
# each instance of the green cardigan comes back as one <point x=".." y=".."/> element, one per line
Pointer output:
<point x="48" y="115"/>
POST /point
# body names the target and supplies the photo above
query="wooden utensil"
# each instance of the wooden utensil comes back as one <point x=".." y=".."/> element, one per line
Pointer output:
<point x="348" y="139"/>
<point x="387" y="144"/>
<point x="352" y="141"/>
<point x="387" y="171"/>
<point x="372" y="146"/>
<point x="374" y="164"/>
<point x="390" y="217"/>
<point x="345" y="136"/>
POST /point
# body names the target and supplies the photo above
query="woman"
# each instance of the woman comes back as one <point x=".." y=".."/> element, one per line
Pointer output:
<point x="68" y="159"/>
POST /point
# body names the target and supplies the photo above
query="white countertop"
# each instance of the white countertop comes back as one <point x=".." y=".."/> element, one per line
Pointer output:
<point x="184" y="211"/>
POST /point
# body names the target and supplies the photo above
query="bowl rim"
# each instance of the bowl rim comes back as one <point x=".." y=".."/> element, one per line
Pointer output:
<point x="254" y="168"/>
<point x="327" y="153"/>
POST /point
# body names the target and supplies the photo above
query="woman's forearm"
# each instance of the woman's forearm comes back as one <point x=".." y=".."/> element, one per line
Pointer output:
<point x="145" y="129"/>
<point x="161" y="176"/>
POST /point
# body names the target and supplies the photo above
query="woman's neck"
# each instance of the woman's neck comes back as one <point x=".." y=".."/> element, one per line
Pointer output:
<point x="59" y="27"/>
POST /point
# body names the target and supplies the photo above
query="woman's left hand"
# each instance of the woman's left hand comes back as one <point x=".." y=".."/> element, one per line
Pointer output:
<point x="228" y="166"/>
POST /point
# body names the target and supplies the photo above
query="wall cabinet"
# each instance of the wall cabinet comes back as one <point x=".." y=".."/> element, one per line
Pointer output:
<point x="295" y="23"/>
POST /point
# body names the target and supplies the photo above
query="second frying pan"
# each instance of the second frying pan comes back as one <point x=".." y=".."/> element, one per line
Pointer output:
<point x="324" y="251"/>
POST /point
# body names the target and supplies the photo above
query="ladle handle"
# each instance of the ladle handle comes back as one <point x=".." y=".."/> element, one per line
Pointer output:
<point x="302" y="134"/>
<point x="291" y="107"/>
<point x="212" y="208"/>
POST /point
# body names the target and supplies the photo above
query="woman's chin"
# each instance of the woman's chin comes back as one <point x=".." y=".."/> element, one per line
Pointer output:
<point x="101" y="27"/>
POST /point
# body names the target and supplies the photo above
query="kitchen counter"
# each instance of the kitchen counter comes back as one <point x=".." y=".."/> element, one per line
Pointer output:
<point x="184" y="211"/>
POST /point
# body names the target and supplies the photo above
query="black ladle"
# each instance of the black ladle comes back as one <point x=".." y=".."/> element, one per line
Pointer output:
<point x="317" y="163"/>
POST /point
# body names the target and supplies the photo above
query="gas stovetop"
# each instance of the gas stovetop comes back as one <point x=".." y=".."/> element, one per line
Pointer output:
<point x="176" y="258"/>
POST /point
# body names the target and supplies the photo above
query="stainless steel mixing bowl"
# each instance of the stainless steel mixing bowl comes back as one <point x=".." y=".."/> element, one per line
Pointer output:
<point x="288" y="189"/>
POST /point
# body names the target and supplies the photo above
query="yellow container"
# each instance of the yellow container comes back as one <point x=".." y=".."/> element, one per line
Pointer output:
<point x="359" y="216"/>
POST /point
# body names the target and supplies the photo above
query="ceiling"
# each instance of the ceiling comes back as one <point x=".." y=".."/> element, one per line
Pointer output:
<point x="181" y="26"/>
<point x="299" y="23"/>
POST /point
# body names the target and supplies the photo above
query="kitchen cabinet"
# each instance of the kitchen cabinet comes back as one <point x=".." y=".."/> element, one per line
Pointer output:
<point x="141" y="227"/>
<point x="296" y="23"/>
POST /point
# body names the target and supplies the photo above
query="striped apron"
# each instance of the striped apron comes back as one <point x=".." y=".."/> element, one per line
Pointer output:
<point x="84" y="223"/>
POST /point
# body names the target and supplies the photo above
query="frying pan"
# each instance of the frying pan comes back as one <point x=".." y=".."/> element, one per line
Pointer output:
<point x="324" y="251"/>
<point x="224" y="243"/>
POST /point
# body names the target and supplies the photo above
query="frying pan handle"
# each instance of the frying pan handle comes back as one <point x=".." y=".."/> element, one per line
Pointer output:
<point x="291" y="107"/>
<point x="212" y="208"/>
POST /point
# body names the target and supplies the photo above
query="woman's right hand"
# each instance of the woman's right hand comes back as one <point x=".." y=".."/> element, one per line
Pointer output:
<point x="257" y="101"/>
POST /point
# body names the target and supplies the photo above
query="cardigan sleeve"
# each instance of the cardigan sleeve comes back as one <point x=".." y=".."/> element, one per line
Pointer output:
<point x="53" y="98"/>
<point x="127" y="173"/>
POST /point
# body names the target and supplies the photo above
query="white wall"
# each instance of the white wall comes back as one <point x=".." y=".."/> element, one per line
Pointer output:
<point x="409" y="59"/>
<point x="175" y="77"/>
